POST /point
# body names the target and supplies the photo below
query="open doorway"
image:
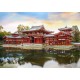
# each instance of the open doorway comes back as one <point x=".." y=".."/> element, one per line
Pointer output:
<point x="32" y="39"/>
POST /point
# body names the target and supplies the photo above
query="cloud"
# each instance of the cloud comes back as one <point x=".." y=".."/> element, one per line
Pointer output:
<point x="53" y="22"/>
<point x="13" y="17"/>
<point x="64" y="16"/>
<point x="61" y="19"/>
<point x="12" y="20"/>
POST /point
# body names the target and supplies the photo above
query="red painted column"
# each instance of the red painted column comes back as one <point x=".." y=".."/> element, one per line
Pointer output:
<point x="34" y="40"/>
<point x="41" y="39"/>
<point x="38" y="40"/>
<point x="29" y="40"/>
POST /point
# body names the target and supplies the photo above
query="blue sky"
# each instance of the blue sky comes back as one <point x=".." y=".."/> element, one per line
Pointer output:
<point x="39" y="15"/>
<point x="3" y="15"/>
<point x="10" y="20"/>
<point x="51" y="20"/>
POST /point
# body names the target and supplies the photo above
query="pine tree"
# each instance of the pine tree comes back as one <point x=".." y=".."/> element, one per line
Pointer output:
<point x="22" y="27"/>
<point x="76" y="34"/>
<point x="1" y="28"/>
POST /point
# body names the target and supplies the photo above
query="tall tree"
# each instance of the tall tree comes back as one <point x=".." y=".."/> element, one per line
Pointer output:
<point x="22" y="27"/>
<point x="26" y="28"/>
<point x="3" y="33"/>
<point x="76" y="34"/>
<point x="1" y="28"/>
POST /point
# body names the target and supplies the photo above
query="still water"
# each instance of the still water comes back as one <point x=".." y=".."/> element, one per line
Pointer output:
<point x="19" y="58"/>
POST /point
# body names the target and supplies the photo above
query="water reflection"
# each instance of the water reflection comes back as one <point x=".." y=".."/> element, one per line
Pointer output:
<point x="19" y="58"/>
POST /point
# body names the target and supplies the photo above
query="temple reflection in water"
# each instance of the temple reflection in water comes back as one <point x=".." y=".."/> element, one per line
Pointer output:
<point x="38" y="57"/>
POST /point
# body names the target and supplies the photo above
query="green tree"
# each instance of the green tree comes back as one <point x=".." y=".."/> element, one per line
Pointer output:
<point x="76" y="34"/>
<point x="22" y="27"/>
<point x="1" y="28"/>
<point x="2" y="34"/>
<point x="26" y="28"/>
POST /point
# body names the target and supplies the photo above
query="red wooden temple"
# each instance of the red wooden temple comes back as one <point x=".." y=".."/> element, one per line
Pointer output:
<point x="34" y="35"/>
<point x="39" y="35"/>
<point x="63" y="37"/>
<point x="14" y="38"/>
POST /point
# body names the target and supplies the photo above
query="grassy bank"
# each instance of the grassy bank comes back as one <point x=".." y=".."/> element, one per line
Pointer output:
<point x="40" y="46"/>
<point x="1" y="42"/>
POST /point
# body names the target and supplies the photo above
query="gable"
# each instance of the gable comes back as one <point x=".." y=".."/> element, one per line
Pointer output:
<point x="62" y="34"/>
<point x="66" y="28"/>
<point x="37" y="27"/>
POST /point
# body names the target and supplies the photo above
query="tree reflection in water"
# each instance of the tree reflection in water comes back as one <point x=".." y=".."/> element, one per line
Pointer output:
<point x="37" y="58"/>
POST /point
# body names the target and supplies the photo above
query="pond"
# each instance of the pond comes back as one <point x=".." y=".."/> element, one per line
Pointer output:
<point x="20" y="58"/>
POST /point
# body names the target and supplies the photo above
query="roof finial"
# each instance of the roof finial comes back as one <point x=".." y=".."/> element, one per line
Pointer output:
<point x="66" y="26"/>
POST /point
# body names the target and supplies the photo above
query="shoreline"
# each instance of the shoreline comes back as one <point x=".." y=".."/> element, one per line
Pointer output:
<point x="39" y="46"/>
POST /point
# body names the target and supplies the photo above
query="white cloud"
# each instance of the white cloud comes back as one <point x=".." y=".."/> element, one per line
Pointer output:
<point x="55" y="21"/>
<point x="11" y="22"/>
<point x="64" y="16"/>
<point x="62" y="19"/>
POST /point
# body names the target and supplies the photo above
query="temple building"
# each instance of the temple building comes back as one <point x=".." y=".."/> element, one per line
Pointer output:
<point x="63" y="37"/>
<point x="14" y="38"/>
<point x="49" y="39"/>
<point x="39" y="35"/>
<point x="66" y="29"/>
<point x="36" y="34"/>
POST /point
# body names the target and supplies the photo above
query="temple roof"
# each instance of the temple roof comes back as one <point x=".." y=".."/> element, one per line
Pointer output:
<point x="65" y="28"/>
<point x="15" y="32"/>
<point x="13" y="36"/>
<point x="63" y="33"/>
<point x="37" y="28"/>
<point x="49" y="35"/>
<point x="33" y="28"/>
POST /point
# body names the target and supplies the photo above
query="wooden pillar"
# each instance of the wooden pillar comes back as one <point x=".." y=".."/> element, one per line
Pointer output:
<point x="34" y="39"/>
<point x="28" y="40"/>
<point x="40" y="40"/>
<point x="37" y="40"/>
<point x="8" y="41"/>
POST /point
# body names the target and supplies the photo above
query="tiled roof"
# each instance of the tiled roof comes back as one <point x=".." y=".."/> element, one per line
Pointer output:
<point x="33" y="28"/>
<point x="13" y="36"/>
<point x="36" y="27"/>
<point x="49" y="35"/>
<point x="15" y="32"/>
<point x="66" y="28"/>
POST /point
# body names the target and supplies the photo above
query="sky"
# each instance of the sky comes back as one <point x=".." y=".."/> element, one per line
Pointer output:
<point x="51" y="20"/>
